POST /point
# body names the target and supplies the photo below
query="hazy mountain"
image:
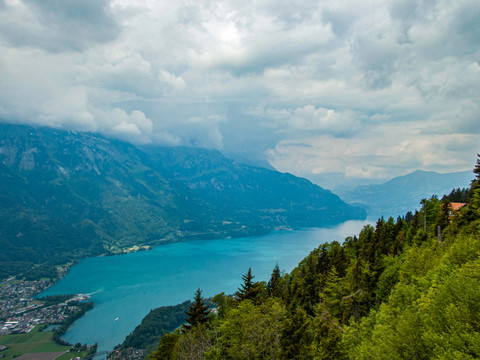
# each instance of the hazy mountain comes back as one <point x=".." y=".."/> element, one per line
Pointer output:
<point x="339" y="183"/>
<point x="403" y="193"/>
<point x="64" y="192"/>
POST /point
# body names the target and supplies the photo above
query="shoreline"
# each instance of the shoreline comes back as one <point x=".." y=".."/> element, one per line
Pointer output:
<point x="120" y="278"/>
<point x="66" y="267"/>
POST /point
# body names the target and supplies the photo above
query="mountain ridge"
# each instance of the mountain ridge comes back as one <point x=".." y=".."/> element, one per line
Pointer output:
<point x="66" y="193"/>
<point x="403" y="193"/>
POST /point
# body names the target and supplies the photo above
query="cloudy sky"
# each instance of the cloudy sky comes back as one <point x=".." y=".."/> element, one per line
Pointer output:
<point x="367" y="89"/>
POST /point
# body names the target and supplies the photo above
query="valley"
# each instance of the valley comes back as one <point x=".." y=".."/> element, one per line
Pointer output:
<point x="128" y="286"/>
<point x="68" y="195"/>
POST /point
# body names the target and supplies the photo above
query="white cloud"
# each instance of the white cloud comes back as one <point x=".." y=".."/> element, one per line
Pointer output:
<point x="69" y="109"/>
<point x="396" y="151"/>
<point x="204" y="131"/>
<point x="134" y="127"/>
<point x="366" y="76"/>
<point x="176" y="83"/>
<point x="308" y="119"/>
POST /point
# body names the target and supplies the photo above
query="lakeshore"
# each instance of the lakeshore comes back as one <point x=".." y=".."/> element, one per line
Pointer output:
<point x="24" y="320"/>
<point x="127" y="287"/>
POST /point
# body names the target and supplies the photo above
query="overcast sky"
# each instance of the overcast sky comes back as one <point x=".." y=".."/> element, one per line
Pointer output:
<point x="365" y="88"/>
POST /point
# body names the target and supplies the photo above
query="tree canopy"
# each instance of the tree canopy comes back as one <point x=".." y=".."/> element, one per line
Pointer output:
<point x="398" y="290"/>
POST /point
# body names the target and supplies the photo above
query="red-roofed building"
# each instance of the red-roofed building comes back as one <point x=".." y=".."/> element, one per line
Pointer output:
<point x="454" y="207"/>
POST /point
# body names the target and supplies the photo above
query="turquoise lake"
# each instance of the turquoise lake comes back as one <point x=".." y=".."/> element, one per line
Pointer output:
<point x="128" y="286"/>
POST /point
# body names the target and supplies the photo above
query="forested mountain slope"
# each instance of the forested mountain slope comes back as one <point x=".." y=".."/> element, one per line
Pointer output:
<point x="66" y="194"/>
<point x="246" y="193"/>
<point x="397" y="291"/>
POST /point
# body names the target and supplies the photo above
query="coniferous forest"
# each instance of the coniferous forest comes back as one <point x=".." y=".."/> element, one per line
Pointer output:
<point x="405" y="289"/>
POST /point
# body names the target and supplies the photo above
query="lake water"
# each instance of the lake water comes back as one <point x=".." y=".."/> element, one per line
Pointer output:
<point x="128" y="286"/>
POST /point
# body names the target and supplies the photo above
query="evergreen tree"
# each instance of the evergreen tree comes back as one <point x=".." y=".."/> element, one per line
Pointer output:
<point x="247" y="290"/>
<point x="392" y="293"/>
<point x="457" y="195"/>
<point x="476" y="184"/>
<point x="325" y="342"/>
<point x="408" y="217"/>
<point x="274" y="287"/>
<point x="443" y="215"/>
<point x="197" y="312"/>
<point x="332" y="293"/>
<point x="399" y="243"/>
<point x="297" y="335"/>
<point x="476" y="170"/>
<point x="307" y="284"/>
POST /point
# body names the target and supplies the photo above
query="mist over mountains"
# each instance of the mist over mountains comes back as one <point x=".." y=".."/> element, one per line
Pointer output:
<point x="80" y="193"/>
<point x="404" y="193"/>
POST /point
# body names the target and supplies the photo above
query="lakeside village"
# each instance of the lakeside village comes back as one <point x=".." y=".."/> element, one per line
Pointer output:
<point x="21" y="312"/>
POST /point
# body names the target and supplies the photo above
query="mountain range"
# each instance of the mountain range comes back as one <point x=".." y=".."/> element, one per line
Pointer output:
<point x="404" y="193"/>
<point x="66" y="193"/>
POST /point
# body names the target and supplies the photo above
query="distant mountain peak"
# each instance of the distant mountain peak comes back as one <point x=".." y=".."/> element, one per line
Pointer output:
<point x="403" y="193"/>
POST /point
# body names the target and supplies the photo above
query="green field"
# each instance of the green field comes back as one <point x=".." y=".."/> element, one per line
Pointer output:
<point x="33" y="342"/>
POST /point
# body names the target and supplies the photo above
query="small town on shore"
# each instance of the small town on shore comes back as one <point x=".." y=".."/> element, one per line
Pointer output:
<point x="21" y="312"/>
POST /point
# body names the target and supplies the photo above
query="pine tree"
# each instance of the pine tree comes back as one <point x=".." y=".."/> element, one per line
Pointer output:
<point x="197" y="313"/>
<point x="476" y="170"/>
<point x="274" y="284"/>
<point x="331" y="293"/>
<point x="443" y="215"/>
<point x="297" y="335"/>
<point x="247" y="290"/>
<point x="475" y="185"/>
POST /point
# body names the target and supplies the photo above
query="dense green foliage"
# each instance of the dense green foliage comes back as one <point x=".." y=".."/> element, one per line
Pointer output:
<point x="159" y="320"/>
<point x="458" y="195"/>
<point x="400" y="290"/>
<point x="67" y="195"/>
<point x="54" y="299"/>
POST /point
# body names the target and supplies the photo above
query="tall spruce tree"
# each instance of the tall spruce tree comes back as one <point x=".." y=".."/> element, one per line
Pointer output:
<point x="274" y="286"/>
<point x="475" y="204"/>
<point x="247" y="290"/>
<point x="476" y="169"/>
<point x="197" y="313"/>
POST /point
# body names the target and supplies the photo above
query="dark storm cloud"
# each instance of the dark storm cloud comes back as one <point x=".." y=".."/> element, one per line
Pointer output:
<point x="466" y="22"/>
<point x="58" y="25"/>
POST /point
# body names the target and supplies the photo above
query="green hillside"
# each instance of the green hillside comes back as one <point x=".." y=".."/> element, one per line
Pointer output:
<point x="67" y="195"/>
<point x="400" y="290"/>
<point x="154" y="324"/>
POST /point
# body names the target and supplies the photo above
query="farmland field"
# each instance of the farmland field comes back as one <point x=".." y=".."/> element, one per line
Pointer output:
<point x="34" y="342"/>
